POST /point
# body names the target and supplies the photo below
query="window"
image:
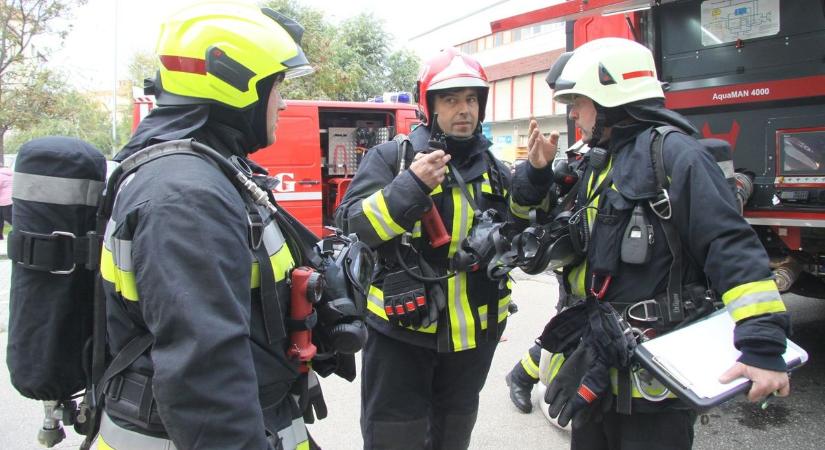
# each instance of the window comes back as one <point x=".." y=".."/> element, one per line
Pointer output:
<point x="522" y="140"/>
<point x="802" y="152"/>
<point x="499" y="39"/>
<point x="517" y="34"/>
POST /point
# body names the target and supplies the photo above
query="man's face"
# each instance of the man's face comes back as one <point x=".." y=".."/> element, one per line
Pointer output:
<point x="457" y="111"/>
<point x="583" y="113"/>
<point x="274" y="106"/>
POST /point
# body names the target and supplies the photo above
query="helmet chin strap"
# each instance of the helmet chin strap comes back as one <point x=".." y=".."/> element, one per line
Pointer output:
<point x="598" y="128"/>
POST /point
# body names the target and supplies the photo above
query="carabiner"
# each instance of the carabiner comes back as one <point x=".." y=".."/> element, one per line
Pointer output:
<point x="603" y="290"/>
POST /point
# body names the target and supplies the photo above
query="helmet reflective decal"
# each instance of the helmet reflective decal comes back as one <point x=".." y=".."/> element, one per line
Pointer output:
<point x="183" y="64"/>
<point x="604" y="76"/>
<point x="609" y="71"/>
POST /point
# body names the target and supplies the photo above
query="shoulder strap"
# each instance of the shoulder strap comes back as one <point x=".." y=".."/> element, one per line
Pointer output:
<point x="673" y="310"/>
<point x="405" y="152"/>
<point x="657" y="154"/>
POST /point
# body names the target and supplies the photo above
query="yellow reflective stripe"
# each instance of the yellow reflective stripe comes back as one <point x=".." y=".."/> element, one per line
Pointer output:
<point x="753" y="299"/>
<point x="124" y="281"/>
<point x="556" y="361"/>
<point x="281" y="263"/>
<point x="522" y="212"/>
<point x="438" y="189"/>
<point x="295" y="436"/>
<point x="503" y="311"/>
<point x="462" y="322"/>
<point x="577" y="274"/>
<point x="375" y="304"/>
<point x="591" y="212"/>
<point x="416" y="231"/>
<point x="375" y="208"/>
<point x="576" y="280"/>
<point x="102" y="445"/>
<point x="485" y="185"/>
<point x="656" y="387"/>
<point x="530" y="366"/>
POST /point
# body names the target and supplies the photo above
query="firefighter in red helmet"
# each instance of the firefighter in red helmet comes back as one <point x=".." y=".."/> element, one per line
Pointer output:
<point x="435" y="317"/>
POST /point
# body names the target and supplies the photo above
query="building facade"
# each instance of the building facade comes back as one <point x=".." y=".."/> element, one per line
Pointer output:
<point x="516" y="62"/>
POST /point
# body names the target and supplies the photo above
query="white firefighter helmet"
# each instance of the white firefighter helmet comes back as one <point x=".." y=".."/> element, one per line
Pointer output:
<point x="609" y="71"/>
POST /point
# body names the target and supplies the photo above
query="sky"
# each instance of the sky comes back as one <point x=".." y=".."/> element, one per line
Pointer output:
<point x="106" y="33"/>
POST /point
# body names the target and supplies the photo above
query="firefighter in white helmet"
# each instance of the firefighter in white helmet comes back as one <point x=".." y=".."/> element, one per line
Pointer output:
<point x="617" y="103"/>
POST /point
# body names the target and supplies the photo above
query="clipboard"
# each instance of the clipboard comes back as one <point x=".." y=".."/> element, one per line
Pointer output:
<point x="682" y="362"/>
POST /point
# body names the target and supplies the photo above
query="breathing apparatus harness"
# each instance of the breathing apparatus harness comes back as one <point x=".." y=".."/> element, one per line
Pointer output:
<point x="421" y="295"/>
<point x="344" y="323"/>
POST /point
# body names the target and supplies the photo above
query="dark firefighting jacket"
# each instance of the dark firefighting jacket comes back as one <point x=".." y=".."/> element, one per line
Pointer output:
<point x="718" y="244"/>
<point x="177" y="264"/>
<point x="380" y="206"/>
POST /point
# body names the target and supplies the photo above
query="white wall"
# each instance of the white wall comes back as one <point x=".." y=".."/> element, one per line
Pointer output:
<point x="448" y="33"/>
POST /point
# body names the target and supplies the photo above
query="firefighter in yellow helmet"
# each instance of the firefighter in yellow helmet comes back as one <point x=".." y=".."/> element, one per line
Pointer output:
<point x="188" y="265"/>
<point x="696" y="248"/>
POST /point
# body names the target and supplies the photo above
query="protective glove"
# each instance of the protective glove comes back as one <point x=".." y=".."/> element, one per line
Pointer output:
<point x="610" y="336"/>
<point x="568" y="396"/>
<point x="405" y="300"/>
<point x="564" y="332"/>
<point x="313" y="400"/>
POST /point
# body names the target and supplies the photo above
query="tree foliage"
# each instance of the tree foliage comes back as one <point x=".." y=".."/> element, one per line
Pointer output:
<point x="352" y="60"/>
<point x="26" y="98"/>
<point x="66" y="112"/>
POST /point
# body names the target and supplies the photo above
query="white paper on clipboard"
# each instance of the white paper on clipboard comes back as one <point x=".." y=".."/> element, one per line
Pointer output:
<point x="698" y="354"/>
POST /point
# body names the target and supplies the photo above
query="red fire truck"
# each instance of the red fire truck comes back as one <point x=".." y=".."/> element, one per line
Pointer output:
<point x="751" y="72"/>
<point x="319" y="146"/>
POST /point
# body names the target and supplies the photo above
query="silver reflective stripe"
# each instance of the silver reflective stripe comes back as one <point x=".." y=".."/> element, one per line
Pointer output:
<point x="371" y="209"/>
<point x="727" y="168"/>
<point x="122" y="254"/>
<point x="273" y="238"/>
<point x="120" y="249"/>
<point x="55" y="190"/>
<point x="111" y="225"/>
<point x="463" y="206"/>
<point x="752" y="299"/>
<point x="119" y="438"/>
<point x="293" y="435"/>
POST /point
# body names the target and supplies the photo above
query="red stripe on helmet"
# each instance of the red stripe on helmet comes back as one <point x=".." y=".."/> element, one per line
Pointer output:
<point x="637" y="74"/>
<point x="184" y="64"/>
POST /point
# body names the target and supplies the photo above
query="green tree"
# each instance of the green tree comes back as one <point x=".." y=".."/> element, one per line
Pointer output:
<point x="66" y="112"/>
<point x="23" y="101"/>
<point x="352" y="60"/>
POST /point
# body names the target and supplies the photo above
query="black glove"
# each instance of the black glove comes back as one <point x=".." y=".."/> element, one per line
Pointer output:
<point x="405" y="299"/>
<point x="610" y="336"/>
<point x="564" y="331"/>
<point x="407" y="310"/>
<point x="314" y="400"/>
<point x="568" y="396"/>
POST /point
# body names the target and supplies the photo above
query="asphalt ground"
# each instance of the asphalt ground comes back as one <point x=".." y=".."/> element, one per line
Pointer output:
<point x="793" y="423"/>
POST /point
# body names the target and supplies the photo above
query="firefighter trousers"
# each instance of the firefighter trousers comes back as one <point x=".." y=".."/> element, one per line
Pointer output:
<point x="414" y="398"/>
<point x="667" y="429"/>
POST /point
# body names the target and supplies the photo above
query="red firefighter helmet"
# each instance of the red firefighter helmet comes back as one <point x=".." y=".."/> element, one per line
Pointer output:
<point x="450" y="69"/>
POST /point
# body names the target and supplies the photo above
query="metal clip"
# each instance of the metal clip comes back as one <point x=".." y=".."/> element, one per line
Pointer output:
<point x="661" y="205"/>
<point x="649" y="309"/>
